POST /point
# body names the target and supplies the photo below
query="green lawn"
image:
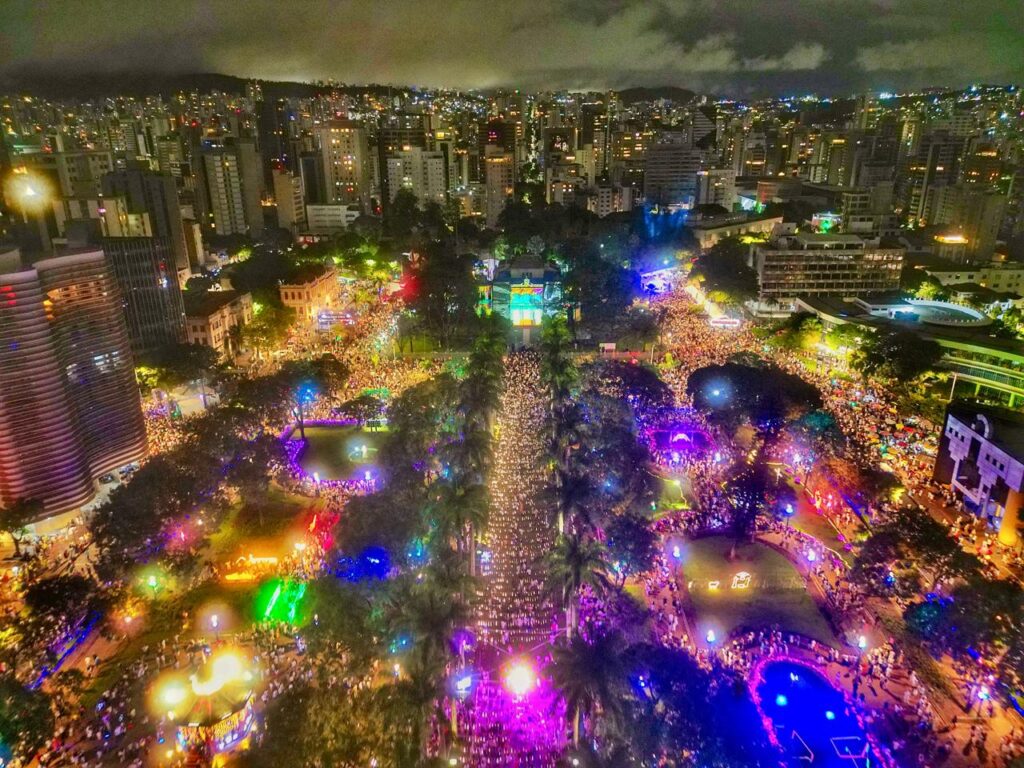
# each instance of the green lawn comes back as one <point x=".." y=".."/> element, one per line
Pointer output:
<point x="279" y="512"/>
<point x="336" y="452"/>
<point x="775" y="595"/>
<point x="673" y="494"/>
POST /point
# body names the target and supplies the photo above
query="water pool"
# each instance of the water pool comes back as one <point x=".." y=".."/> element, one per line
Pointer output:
<point x="809" y="718"/>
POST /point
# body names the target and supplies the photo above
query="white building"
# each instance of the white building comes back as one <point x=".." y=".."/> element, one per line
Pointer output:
<point x="1004" y="278"/>
<point x="330" y="218"/>
<point x="419" y="171"/>
<point x="610" y="198"/>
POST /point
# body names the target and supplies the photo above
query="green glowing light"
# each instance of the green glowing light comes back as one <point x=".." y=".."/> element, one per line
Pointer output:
<point x="272" y="603"/>
<point x="281" y="601"/>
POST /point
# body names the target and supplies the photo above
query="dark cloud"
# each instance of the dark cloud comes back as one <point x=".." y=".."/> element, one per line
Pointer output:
<point x="735" y="46"/>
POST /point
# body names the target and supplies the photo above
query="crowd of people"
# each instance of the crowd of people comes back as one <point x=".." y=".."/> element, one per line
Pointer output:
<point x="876" y="434"/>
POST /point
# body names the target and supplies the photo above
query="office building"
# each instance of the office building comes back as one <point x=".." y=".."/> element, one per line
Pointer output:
<point x="868" y="212"/>
<point x="149" y="289"/>
<point x="419" y="172"/>
<point x="717" y="186"/>
<point x="69" y="405"/>
<point x="670" y="171"/>
<point x="211" y="317"/>
<point x="81" y="172"/>
<point x="610" y="198"/>
<point x="808" y="264"/>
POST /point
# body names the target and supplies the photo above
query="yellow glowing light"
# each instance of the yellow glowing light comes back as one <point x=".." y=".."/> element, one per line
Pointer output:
<point x="30" y="192"/>
<point x="954" y="239"/>
<point x="173" y="695"/>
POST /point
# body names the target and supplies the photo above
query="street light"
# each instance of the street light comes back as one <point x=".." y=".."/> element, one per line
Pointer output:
<point x="31" y="193"/>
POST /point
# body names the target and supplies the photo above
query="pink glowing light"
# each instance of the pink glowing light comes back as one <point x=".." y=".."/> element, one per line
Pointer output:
<point x="520" y="678"/>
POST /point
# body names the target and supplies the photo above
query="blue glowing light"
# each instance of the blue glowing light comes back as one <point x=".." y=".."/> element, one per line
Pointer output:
<point x="781" y="700"/>
<point x="830" y="715"/>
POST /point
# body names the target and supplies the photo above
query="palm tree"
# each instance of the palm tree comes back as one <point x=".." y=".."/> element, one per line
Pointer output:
<point x="470" y="456"/>
<point x="568" y="430"/>
<point x="429" y="615"/>
<point x="409" y="704"/>
<point x="575" y="563"/>
<point x="572" y="493"/>
<point x="557" y="369"/>
<point x="591" y="677"/>
<point x="461" y="511"/>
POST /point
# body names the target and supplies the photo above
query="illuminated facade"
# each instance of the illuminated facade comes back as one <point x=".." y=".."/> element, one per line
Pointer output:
<point x="310" y="293"/>
<point x="69" y="404"/>
<point x="525" y="293"/>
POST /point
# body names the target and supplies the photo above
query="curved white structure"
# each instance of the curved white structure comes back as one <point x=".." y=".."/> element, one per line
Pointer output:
<point x="69" y="404"/>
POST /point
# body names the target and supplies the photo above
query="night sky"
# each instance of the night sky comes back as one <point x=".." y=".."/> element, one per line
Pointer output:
<point x="740" y="47"/>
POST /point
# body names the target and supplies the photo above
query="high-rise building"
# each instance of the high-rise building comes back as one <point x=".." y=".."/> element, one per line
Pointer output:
<point x="670" y="173"/>
<point x="69" y="404"/>
<point x="717" y="186"/>
<point x="932" y="163"/>
<point x="291" y="210"/>
<point x="345" y="159"/>
<point x="496" y="133"/>
<point x="153" y="307"/>
<point x="311" y="170"/>
<point x="499" y="181"/>
<point x="232" y="181"/>
<point x="154" y="195"/>
<point x="608" y="198"/>
<point x="420" y="172"/>
<point x="273" y="121"/>
<point x="80" y="172"/>
<point x="974" y="211"/>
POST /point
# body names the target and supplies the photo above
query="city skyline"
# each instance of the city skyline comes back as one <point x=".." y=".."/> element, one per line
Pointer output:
<point x="784" y="48"/>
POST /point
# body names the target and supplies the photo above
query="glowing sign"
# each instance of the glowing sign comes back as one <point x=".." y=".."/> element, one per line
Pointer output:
<point x="741" y="580"/>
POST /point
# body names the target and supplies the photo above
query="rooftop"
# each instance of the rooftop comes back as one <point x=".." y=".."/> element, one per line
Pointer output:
<point x="205" y="304"/>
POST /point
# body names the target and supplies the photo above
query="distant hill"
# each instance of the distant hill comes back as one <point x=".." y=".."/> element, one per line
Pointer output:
<point x="57" y="85"/>
<point x="91" y="85"/>
<point x="670" y="92"/>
